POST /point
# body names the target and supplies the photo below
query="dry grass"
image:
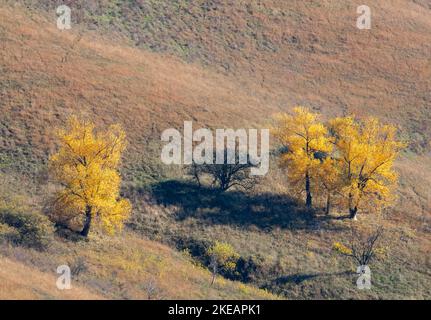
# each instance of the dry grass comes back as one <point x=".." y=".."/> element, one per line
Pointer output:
<point x="120" y="267"/>
<point x="385" y="72"/>
<point x="295" y="250"/>
<point x="18" y="281"/>
<point x="278" y="53"/>
<point x="247" y="62"/>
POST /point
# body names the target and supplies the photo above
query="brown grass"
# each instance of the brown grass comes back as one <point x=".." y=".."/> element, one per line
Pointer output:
<point x="18" y="281"/>
<point x="303" y="52"/>
<point x="119" y="267"/>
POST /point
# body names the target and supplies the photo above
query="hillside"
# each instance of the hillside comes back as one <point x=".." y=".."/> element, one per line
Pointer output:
<point x="150" y="65"/>
<point x="126" y="267"/>
<point x="33" y="284"/>
<point x="283" y="53"/>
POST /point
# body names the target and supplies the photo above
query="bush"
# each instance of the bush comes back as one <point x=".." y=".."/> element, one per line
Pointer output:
<point x="32" y="230"/>
<point x="250" y="269"/>
<point x="196" y="248"/>
<point x="7" y="233"/>
<point x="222" y="256"/>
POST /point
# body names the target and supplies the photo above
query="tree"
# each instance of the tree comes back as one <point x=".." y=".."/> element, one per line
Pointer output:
<point x="362" y="246"/>
<point x="225" y="175"/>
<point x="366" y="152"/>
<point x="329" y="179"/>
<point x="221" y="255"/>
<point x="86" y="166"/>
<point x="305" y="139"/>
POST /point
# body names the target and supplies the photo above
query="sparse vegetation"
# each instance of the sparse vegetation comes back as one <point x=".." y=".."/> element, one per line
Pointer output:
<point x="250" y="60"/>
<point x="28" y="229"/>
<point x="362" y="247"/>
<point x="221" y="255"/>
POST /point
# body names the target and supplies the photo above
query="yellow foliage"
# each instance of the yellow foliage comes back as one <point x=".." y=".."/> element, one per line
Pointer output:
<point x="305" y="138"/>
<point x="224" y="255"/>
<point x="341" y="248"/>
<point x="366" y="152"/>
<point x="352" y="160"/>
<point x="86" y="166"/>
<point x="244" y="289"/>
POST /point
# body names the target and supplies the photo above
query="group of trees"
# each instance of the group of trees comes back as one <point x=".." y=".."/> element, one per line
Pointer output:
<point x="346" y="158"/>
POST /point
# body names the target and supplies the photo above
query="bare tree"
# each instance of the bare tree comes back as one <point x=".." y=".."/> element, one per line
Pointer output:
<point x="362" y="246"/>
<point x="153" y="290"/>
<point x="225" y="175"/>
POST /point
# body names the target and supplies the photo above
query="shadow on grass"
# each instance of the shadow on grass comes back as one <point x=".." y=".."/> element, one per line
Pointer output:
<point x="301" y="277"/>
<point x="264" y="211"/>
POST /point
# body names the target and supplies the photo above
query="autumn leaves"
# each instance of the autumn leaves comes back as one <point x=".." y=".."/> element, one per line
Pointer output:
<point x="86" y="166"/>
<point x="346" y="159"/>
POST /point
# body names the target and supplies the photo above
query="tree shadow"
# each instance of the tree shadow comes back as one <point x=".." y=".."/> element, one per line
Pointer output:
<point x="264" y="211"/>
<point x="298" y="278"/>
<point x="68" y="234"/>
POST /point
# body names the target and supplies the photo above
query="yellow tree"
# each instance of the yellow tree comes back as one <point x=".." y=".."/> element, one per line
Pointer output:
<point x="367" y="151"/>
<point x="306" y="143"/>
<point x="329" y="179"/>
<point x="222" y="255"/>
<point x="86" y="166"/>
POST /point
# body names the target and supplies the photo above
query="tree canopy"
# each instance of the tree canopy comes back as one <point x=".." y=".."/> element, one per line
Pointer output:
<point x="86" y="166"/>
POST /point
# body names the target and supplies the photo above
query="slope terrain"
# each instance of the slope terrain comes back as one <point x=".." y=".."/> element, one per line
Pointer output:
<point x="126" y="267"/>
<point x="150" y="65"/>
<point x="20" y="282"/>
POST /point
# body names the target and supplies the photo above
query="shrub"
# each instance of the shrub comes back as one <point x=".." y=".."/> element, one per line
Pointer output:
<point x="78" y="266"/>
<point x="32" y="230"/>
<point x="7" y="233"/>
<point x="196" y="247"/>
<point x="362" y="247"/>
<point x="222" y="256"/>
<point x="250" y="269"/>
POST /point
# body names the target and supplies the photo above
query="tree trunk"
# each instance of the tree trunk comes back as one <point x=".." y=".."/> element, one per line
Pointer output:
<point x="214" y="274"/>
<point x="353" y="212"/>
<point x="328" y="204"/>
<point x="308" y="201"/>
<point x="87" y="223"/>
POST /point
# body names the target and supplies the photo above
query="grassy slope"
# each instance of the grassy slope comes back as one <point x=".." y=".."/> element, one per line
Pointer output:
<point x="289" y="52"/>
<point x="21" y="282"/>
<point x="293" y="247"/>
<point x="121" y="267"/>
<point x="320" y="60"/>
